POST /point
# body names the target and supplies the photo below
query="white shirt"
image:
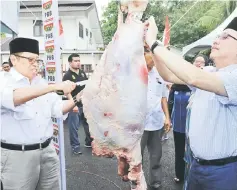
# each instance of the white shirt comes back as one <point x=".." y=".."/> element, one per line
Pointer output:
<point x="30" y="122"/>
<point x="156" y="91"/>
<point x="213" y="119"/>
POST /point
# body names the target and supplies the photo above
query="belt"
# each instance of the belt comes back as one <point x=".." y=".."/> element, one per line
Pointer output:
<point x="217" y="162"/>
<point x="26" y="147"/>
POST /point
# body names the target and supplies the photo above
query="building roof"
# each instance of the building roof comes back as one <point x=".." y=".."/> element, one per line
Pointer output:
<point x="82" y="5"/>
<point x="89" y="6"/>
<point x="5" y="43"/>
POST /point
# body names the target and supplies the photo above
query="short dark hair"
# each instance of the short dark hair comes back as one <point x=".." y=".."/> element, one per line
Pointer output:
<point x="206" y="59"/>
<point x="71" y="57"/>
<point x="4" y="63"/>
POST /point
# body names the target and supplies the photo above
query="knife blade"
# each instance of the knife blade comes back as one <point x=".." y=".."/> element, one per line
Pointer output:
<point x="81" y="83"/>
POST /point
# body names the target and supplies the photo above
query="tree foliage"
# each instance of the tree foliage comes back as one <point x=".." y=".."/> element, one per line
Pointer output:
<point x="109" y="22"/>
<point x="189" y="22"/>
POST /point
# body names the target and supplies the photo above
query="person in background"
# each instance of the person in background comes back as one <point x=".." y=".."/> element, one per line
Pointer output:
<point x="28" y="157"/>
<point x="212" y="125"/>
<point x="155" y="120"/>
<point x="188" y="153"/>
<point x="178" y="101"/>
<point x="201" y="61"/>
<point x="75" y="118"/>
<point x="181" y="94"/>
<point x="165" y="135"/>
<point x="6" y="66"/>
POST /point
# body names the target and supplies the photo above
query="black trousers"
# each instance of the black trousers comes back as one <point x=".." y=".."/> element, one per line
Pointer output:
<point x="152" y="140"/>
<point x="179" y="144"/>
<point x="85" y="125"/>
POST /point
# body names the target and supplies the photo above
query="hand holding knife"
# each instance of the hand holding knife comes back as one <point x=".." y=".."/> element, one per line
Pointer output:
<point x="81" y="83"/>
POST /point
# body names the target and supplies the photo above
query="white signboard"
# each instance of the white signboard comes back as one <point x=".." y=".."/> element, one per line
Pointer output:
<point x="53" y="72"/>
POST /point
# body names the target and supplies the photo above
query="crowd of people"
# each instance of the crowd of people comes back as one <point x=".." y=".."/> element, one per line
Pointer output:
<point x="198" y="101"/>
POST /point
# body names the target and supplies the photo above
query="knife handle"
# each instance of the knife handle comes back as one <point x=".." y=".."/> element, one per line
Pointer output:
<point x="60" y="92"/>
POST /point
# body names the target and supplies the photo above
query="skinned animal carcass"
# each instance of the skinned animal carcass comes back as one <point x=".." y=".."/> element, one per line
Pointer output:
<point x="114" y="99"/>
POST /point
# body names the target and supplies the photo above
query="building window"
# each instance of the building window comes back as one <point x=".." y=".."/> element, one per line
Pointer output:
<point x="81" y="34"/>
<point x="83" y="67"/>
<point x="88" y="68"/>
<point x="86" y="32"/>
<point x="38" y="28"/>
<point x="90" y="34"/>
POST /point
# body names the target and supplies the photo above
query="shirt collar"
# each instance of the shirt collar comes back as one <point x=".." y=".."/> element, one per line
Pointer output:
<point x="15" y="74"/>
<point x="72" y="72"/>
<point x="152" y="71"/>
<point x="18" y="76"/>
<point x="228" y="68"/>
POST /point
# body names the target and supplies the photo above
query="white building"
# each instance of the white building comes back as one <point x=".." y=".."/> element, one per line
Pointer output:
<point x="8" y="25"/>
<point x="81" y="30"/>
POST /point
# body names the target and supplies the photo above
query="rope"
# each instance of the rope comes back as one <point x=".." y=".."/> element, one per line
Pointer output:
<point x="36" y="18"/>
<point x="182" y="16"/>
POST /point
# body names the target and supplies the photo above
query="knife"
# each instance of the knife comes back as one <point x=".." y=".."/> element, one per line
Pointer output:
<point x="81" y="83"/>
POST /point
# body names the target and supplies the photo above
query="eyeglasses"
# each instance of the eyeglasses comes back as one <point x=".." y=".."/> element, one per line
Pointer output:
<point x="202" y="62"/>
<point x="32" y="60"/>
<point x="224" y="36"/>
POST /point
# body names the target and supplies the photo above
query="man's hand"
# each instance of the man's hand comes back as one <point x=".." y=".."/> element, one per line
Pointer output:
<point x="151" y="31"/>
<point x="75" y="109"/>
<point x="79" y="95"/>
<point x="167" y="125"/>
<point x="66" y="86"/>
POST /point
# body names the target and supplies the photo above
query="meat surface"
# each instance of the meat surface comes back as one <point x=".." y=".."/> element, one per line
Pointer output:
<point x="114" y="99"/>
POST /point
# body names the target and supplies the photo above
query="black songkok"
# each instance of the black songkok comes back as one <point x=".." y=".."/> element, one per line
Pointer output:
<point x="19" y="45"/>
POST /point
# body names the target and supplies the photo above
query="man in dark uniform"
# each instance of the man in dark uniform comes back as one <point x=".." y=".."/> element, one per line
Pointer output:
<point x="76" y="74"/>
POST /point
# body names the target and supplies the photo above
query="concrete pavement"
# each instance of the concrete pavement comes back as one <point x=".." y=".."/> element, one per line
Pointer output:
<point x="86" y="172"/>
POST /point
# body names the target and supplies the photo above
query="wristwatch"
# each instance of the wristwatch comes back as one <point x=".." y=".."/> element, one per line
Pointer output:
<point x="155" y="44"/>
<point x="75" y="100"/>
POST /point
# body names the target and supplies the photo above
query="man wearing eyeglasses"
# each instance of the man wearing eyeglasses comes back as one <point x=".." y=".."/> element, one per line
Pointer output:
<point x="213" y="120"/>
<point x="28" y="157"/>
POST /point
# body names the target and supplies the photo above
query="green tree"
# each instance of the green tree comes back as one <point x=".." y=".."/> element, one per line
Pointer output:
<point x="109" y="21"/>
<point x="197" y="21"/>
<point x="110" y="16"/>
<point x="230" y="7"/>
<point x="189" y="23"/>
<point x="2" y="35"/>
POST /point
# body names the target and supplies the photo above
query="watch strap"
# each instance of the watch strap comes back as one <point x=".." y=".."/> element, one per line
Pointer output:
<point x="154" y="45"/>
<point x="75" y="100"/>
